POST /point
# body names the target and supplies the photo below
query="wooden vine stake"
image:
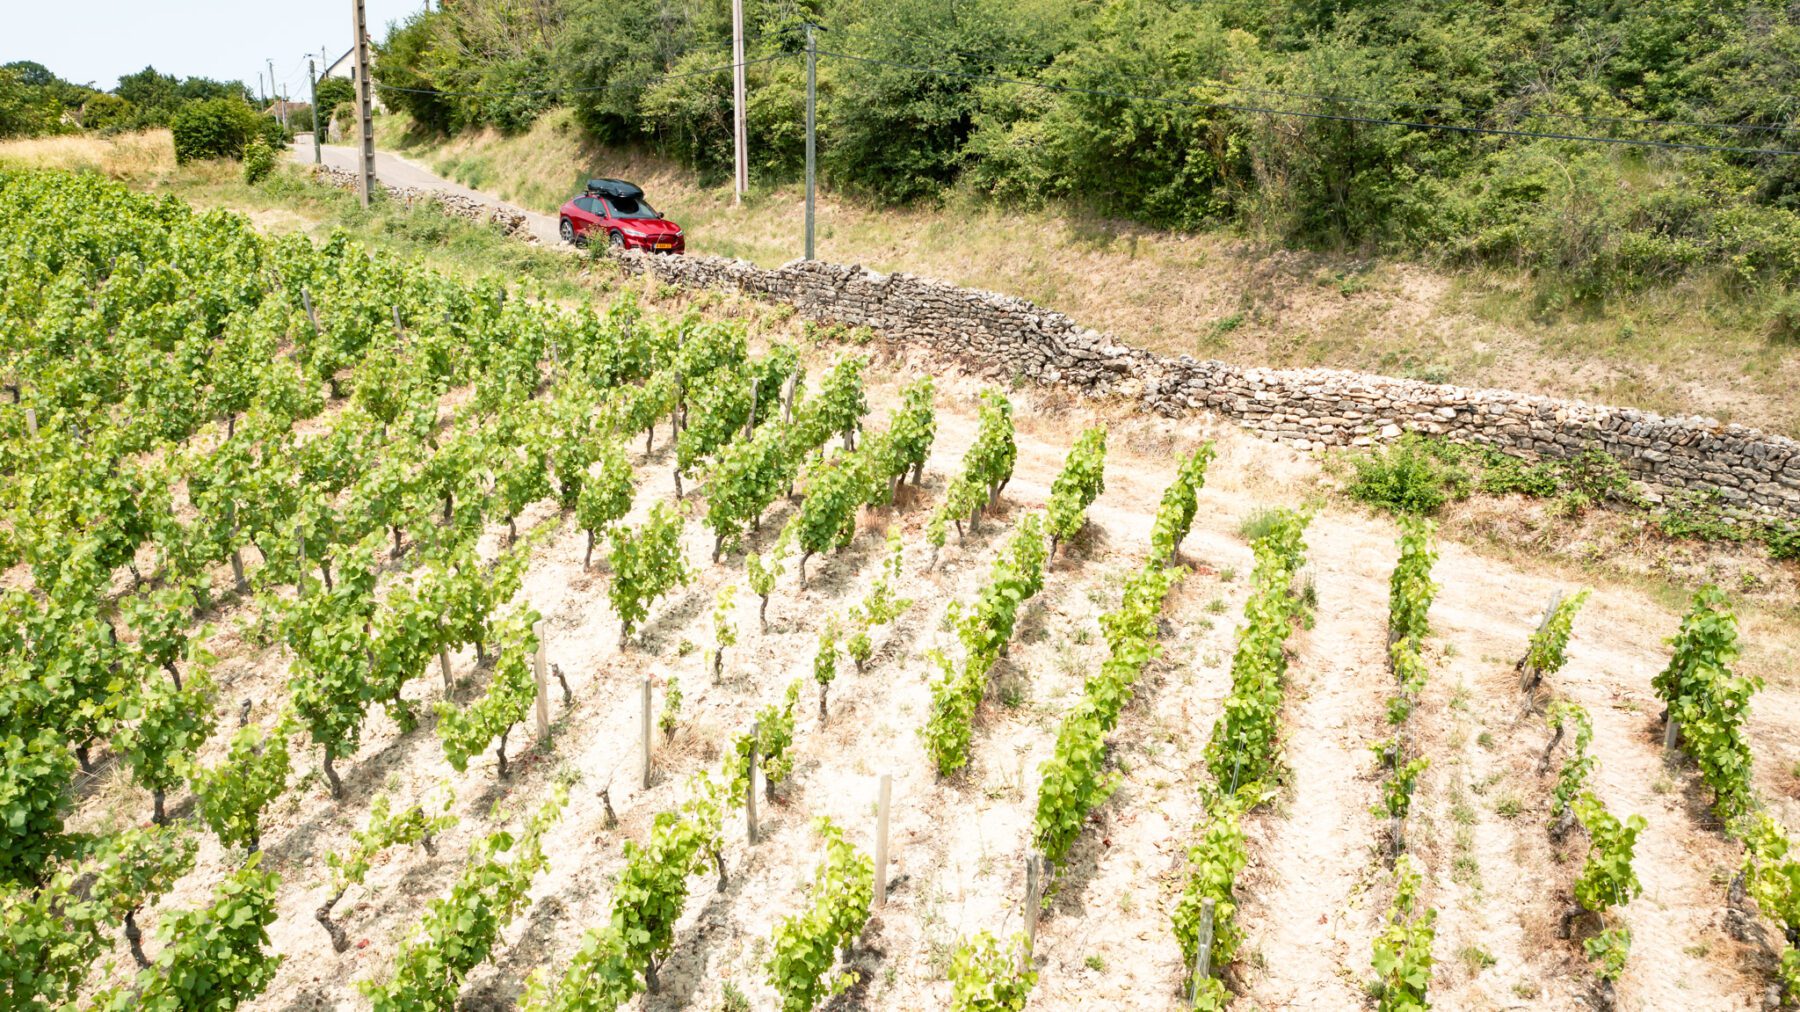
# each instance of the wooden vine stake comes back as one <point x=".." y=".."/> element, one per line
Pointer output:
<point x="750" y="779"/>
<point x="881" y="838"/>
<point x="311" y="316"/>
<point x="237" y="557"/>
<point x="31" y="422"/>
<point x="300" y="541"/>
<point x="1528" y="676"/>
<point x="539" y="670"/>
<point x="1034" y="899"/>
<point x="1202" y="949"/>
<point x="444" y="663"/>
<point x="646" y="735"/>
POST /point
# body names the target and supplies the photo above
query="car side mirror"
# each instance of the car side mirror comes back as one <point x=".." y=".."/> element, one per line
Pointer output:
<point x="659" y="214"/>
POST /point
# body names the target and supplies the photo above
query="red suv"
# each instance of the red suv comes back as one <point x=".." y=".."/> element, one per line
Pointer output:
<point x="615" y="211"/>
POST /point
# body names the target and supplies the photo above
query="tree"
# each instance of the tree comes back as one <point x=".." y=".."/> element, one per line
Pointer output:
<point x="25" y="110"/>
<point x="215" y="128"/>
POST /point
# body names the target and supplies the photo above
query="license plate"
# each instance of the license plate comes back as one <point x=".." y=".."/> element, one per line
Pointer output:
<point x="665" y="245"/>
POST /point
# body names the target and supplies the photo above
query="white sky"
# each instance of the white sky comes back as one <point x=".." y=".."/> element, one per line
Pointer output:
<point x="98" y="41"/>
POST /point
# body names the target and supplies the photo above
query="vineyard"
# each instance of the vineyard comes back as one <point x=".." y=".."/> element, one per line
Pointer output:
<point x="371" y="638"/>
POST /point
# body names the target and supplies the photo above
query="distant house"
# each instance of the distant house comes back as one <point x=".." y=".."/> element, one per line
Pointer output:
<point x="345" y="67"/>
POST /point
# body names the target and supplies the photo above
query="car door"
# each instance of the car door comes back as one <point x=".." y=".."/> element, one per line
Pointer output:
<point x="589" y="221"/>
<point x="608" y="224"/>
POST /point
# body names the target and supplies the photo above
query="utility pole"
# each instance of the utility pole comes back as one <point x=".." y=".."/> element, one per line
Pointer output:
<point x="739" y="131"/>
<point x="312" y="87"/>
<point x="273" y="99"/>
<point x="812" y="65"/>
<point x="261" y="96"/>
<point x="364" y="107"/>
<point x="324" y="69"/>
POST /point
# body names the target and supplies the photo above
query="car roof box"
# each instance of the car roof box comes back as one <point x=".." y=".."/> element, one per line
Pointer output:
<point x="614" y="188"/>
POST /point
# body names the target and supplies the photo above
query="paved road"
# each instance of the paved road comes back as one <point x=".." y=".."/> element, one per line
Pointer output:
<point x="397" y="171"/>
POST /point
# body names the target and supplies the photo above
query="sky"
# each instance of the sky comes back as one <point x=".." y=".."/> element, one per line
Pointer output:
<point x="98" y="41"/>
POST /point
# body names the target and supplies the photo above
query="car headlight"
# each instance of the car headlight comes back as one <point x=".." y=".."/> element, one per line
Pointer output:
<point x="634" y="233"/>
<point x="678" y="233"/>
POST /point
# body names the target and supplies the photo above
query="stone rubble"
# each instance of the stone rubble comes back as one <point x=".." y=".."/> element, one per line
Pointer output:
<point x="1753" y="471"/>
<point x="512" y="223"/>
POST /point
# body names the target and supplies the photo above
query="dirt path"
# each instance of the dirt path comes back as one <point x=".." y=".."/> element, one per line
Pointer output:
<point x="397" y="170"/>
<point x="1305" y="911"/>
<point x="1509" y="880"/>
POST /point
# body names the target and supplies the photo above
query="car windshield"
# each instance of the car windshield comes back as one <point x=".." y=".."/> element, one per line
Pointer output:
<point x="626" y="207"/>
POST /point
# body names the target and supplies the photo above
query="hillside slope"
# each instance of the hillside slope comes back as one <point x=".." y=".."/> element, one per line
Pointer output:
<point x="1212" y="295"/>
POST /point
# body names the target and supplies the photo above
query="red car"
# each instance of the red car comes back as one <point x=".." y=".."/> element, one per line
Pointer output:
<point x="615" y="212"/>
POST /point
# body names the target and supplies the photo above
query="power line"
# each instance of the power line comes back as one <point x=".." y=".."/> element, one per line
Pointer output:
<point x="1315" y="115"/>
<point x="609" y="86"/>
<point x="1525" y="113"/>
<point x="1366" y="103"/>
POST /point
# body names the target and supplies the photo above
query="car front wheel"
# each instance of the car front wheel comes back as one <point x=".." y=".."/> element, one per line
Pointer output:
<point x="618" y="240"/>
<point x="568" y="232"/>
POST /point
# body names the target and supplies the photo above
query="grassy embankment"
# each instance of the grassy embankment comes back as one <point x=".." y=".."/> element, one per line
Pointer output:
<point x="1685" y="349"/>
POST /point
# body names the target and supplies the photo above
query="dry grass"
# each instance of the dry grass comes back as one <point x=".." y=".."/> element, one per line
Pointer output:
<point x="129" y="157"/>
<point x="1690" y="349"/>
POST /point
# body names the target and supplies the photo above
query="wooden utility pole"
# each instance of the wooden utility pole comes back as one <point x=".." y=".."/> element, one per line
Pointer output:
<point x="324" y="71"/>
<point x="312" y="88"/>
<point x="812" y="66"/>
<point x="364" y="108"/>
<point x="275" y="95"/>
<point x="740" y="133"/>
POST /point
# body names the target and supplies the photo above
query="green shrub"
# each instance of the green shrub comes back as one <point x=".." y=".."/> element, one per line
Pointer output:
<point x="1593" y="476"/>
<point x="1783" y="541"/>
<point x="1411" y="475"/>
<point x="1589" y="477"/>
<point x="216" y="128"/>
<point x="1505" y="474"/>
<point x="1697" y="515"/>
<point x="1784" y="321"/>
<point x="259" y="160"/>
<point x="1260" y="523"/>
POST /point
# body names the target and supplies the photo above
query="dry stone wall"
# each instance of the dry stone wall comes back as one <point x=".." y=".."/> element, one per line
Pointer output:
<point x="1754" y="471"/>
<point x="512" y="223"/>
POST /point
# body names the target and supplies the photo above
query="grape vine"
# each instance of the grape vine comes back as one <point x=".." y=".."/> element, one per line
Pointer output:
<point x="1081" y="481"/>
<point x="1709" y="702"/>
<point x="804" y="946"/>
<point x="984" y="629"/>
<point x="647" y="563"/>
<point x="459" y="929"/>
